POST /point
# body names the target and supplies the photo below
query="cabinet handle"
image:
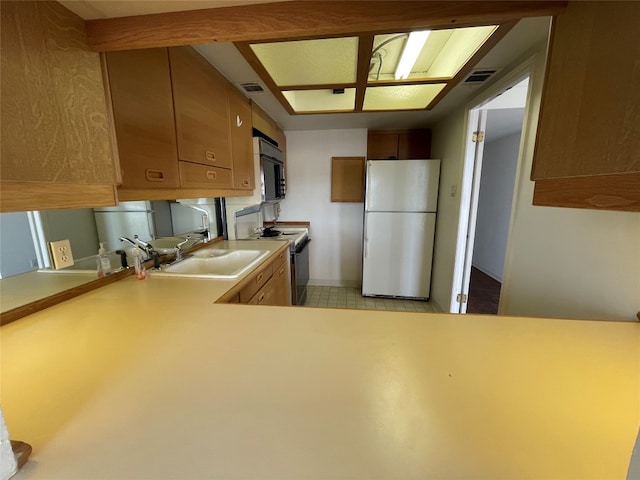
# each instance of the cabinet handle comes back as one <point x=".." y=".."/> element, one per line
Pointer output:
<point x="154" y="175"/>
<point x="238" y="121"/>
<point x="245" y="182"/>
<point x="211" y="175"/>
<point x="281" y="271"/>
<point x="261" y="298"/>
<point x="259" y="277"/>
<point x="210" y="156"/>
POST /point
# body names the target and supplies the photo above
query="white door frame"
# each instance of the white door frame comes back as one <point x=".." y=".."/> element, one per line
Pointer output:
<point x="470" y="180"/>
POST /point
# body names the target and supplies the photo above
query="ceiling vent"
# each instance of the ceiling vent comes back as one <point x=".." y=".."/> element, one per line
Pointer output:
<point x="480" y="76"/>
<point x="252" y="87"/>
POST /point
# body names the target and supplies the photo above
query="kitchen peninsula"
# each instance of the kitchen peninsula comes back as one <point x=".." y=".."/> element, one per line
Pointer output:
<point x="152" y="379"/>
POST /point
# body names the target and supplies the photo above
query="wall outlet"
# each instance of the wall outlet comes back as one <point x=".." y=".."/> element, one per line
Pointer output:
<point x="61" y="254"/>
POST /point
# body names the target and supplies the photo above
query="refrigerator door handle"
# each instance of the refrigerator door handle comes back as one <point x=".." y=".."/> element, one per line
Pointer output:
<point x="366" y="245"/>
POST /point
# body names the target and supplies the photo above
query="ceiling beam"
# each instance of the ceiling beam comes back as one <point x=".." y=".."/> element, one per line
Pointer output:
<point x="302" y="18"/>
<point x="365" y="46"/>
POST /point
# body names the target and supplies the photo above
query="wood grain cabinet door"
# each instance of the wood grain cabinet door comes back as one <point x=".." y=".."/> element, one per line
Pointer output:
<point x="241" y="140"/>
<point x="414" y="144"/>
<point x="281" y="285"/>
<point x="382" y="146"/>
<point x="201" y="109"/>
<point x="587" y="152"/>
<point x="56" y="138"/>
<point x="140" y="85"/>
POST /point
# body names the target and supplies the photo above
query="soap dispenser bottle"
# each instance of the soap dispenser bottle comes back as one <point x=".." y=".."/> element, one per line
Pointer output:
<point x="104" y="264"/>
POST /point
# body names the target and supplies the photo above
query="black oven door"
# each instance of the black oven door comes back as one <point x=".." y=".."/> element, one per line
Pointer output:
<point x="300" y="276"/>
<point x="273" y="186"/>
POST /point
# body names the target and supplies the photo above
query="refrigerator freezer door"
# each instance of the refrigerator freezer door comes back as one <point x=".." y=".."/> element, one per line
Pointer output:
<point x="398" y="250"/>
<point x="402" y="185"/>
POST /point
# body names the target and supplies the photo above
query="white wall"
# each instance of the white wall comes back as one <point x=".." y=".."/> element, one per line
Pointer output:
<point x="499" y="164"/>
<point x="565" y="263"/>
<point x="447" y="142"/>
<point x="77" y="225"/>
<point x="336" y="228"/>
<point x="17" y="253"/>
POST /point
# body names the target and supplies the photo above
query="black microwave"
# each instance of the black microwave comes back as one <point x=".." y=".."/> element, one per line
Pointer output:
<point x="272" y="179"/>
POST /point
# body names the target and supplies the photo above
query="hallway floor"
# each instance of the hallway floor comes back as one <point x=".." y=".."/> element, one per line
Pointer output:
<point x="347" y="297"/>
<point x="484" y="293"/>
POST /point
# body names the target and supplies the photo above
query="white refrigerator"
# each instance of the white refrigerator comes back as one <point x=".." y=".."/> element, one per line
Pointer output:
<point x="399" y="226"/>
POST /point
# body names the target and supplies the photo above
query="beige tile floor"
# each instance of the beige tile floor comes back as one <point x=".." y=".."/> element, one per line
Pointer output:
<point x="346" y="297"/>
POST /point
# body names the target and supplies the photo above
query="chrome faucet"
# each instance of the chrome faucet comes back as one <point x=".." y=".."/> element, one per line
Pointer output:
<point x="178" y="248"/>
<point x="142" y="245"/>
<point x="206" y="227"/>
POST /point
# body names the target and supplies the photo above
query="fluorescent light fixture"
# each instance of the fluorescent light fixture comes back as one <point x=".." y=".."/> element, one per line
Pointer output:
<point x="412" y="49"/>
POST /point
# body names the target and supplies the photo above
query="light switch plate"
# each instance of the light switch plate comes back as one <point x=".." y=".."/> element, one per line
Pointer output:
<point x="61" y="254"/>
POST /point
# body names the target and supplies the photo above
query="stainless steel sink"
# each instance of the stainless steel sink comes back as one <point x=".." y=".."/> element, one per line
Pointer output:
<point x="215" y="263"/>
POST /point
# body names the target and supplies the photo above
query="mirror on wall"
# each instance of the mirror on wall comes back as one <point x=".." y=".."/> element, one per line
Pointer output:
<point x="26" y="271"/>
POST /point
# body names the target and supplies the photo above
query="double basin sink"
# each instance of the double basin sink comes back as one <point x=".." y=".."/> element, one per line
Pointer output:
<point x="214" y="263"/>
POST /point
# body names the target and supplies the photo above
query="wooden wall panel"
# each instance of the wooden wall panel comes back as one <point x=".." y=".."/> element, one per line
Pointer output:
<point x="53" y="107"/>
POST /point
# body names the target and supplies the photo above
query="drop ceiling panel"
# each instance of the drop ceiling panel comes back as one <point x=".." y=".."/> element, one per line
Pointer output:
<point x="401" y="97"/>
<point x="321" y="100"/>
<point x="310" y="62"/>
<point x="304" y="72"/>
<point x="458" y="49"/>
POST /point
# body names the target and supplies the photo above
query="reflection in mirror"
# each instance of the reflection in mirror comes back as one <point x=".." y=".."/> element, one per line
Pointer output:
<point x="26" y="270"/>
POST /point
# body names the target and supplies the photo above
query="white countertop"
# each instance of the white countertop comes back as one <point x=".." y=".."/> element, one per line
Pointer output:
<point x="152" y="380"/>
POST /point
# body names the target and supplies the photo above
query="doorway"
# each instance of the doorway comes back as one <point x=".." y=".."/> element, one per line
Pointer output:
<point x="489" y="178"/>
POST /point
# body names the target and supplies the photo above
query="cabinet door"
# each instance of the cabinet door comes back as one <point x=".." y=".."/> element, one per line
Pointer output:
<point x="587" y="151"/>
<point x="414" y="144"/>
<point x="382" y="146"/>
<point x="204" y="176"/>
<point x="262" y="122"/>
<point x="201" y="109"/>
<point x="258" y="279"/>
<point x="281" y="285"/>
<point x="56" y="137"/>
<point x="241" y="140"/>
<point x="140" y="85"/>
<point x="264" y="296"/>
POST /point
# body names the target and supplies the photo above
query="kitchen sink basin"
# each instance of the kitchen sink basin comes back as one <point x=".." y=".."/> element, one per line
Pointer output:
<point x="167" y="244"/>
<point x="216" y="263"/>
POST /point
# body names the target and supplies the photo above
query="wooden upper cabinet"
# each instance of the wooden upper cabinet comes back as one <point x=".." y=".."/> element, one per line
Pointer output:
<point x="382" y="145"/>
<point x="201" y="109"/>
<point x="399" y="144"/>
<point x="414" y="144"/>
<point x="587" y="151"/>
<point x="140" y="84"/>
<point x="241" y="140"/>
<point x="56" y="138"/>
<point x="263" y="122"/>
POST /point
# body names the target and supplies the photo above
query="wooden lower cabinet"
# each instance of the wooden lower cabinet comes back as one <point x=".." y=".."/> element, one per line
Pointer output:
<point x="268" y="285"/>
<point x="281" y="285"/>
